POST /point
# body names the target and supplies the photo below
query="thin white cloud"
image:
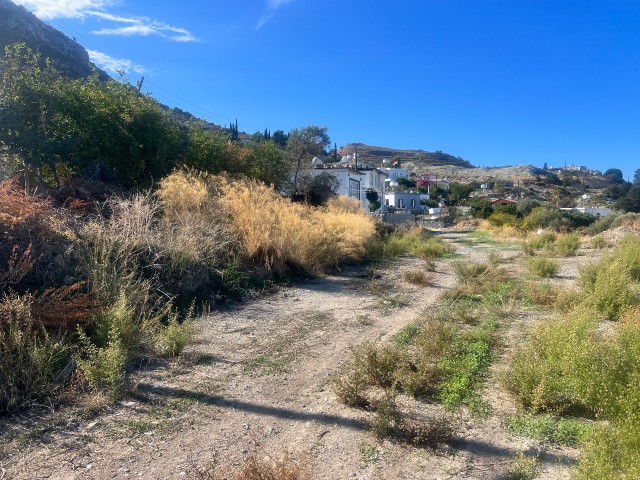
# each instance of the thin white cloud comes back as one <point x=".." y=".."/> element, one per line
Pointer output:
<point x="270" y="12"/>
<point x="52" y="9"/>
<point x="277" y="3"/>
<point x="114" y="65"/>
<point x="142" y="30"/>
<point x="140" y="26"/>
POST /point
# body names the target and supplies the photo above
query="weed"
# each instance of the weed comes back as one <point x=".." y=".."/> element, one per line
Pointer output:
<point x="425" y="433"/>
<point x="410" y="242"/>
<point x="369" y="453"/>
<point x="567" y="245"/>
<point x="283" y="469"/>
<point x="376" y="364"/>
<point x="419" y="277"/>
<point x="599" y="242"/>
<point x="383" y="423"/>
<point x="350" y="389"/>
<point x="264" y="364"/>
<point x="476" y="278"/>
<point x="464" y="369"/>
<point x="171" y="339"/>
<point x="539" y="293"/>
<point x="104" y="367"/>
<point x="563" y="431"/>
<point x="390" y="301"/>
<point x="407" y="334"/>
<point x="30" y="359"/>
<point x="523" y="467"/>
<point x="543" y="267"/>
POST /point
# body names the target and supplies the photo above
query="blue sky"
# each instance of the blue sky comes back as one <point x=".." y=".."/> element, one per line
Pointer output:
<point x="496" y="82"/>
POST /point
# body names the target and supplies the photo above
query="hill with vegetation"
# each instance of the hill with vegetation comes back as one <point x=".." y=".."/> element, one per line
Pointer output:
<point x="417" y="158"/>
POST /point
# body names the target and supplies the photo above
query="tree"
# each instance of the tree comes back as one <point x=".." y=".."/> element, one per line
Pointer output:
<point x="615" y="175"/>
<point x="630" y="202"/>
<point x="306" y="143"/>
<point x="374" y="199"/>
<point x="459" y="192"/>
<point x="636" y="177"/>
<point x="406" y="183"/>
<point x="269" y="164"/>
<point x="481" y="208"/>
<point x="280" y="138"/>
<point x="233" y="128"/>
<point x="317" y="189"/>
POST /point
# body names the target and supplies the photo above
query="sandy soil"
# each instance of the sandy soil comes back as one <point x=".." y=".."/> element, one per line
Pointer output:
<point x="257" y="382"/>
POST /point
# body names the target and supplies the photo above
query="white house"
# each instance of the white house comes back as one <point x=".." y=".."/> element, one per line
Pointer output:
<point x="408" y="200"/>
<point x="394" y="173"/>
<point x="595" y="211"/>
<point x="355" y="181"/>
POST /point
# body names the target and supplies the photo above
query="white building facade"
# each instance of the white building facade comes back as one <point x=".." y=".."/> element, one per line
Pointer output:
<point x="354" y="182"/>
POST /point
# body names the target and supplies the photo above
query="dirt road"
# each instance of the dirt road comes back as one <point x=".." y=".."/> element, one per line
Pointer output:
<point x="257" y="381"/>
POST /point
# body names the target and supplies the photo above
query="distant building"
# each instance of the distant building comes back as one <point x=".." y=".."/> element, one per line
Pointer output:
<point x="396" y="173"/>
<point x="355" y="181"/>
<point x="595" y="211"/>
<point x="408" y="200"/>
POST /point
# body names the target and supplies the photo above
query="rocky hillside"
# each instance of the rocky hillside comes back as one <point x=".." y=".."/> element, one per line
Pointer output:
<point x="417" y="158"/>
<point x="17" y="25"/>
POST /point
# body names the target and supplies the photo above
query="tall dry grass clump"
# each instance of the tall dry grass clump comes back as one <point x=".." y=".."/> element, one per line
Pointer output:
<point x="277" y="235"/>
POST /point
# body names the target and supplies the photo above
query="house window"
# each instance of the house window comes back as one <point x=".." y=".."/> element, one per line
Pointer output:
<point x="413" y="203"/>
<point x="354" y="188"/>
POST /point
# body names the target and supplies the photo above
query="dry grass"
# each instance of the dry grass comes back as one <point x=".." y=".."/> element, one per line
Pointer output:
<point x="420" y="277"/>
<point x="254" y="468"/>
<point x="277" y="234"/>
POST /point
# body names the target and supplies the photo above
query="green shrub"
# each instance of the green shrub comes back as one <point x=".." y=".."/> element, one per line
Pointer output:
<point x="378" y="364"/>
<point x="104" y="367"/>
<point x="627" y="252"/>
<point x="543" y="267"/>
<point x="567" y="245"/>
<point x="464" y="370"/>
<point x="171" y="339"/>
<point x="523" y="467"/>
<point x="613" y="291"/>
<point x="384" y="421"/>
<point x="599" y="242"/>
<point x="30" y="359"/>
<point x="542" y="372"/>
<point x="547" y="428"/>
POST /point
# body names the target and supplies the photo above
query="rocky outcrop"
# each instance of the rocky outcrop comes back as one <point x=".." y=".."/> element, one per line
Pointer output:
<point x="17" y="25"/>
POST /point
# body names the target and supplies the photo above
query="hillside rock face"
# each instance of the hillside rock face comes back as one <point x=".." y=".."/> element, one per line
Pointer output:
<point x="17" y="25"/>
<point x="420" y="158"/>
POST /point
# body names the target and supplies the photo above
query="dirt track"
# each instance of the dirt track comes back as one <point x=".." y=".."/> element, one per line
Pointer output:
<point x="256" y="381"/>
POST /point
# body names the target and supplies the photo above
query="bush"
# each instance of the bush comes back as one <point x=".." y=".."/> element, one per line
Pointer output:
<point x="276" y="234"/>
<point x="414" y="242"/>
<point x="32" y="363"/>
<point x="547" y="428"/>
<point x="104" y="367"/>
<point x="612" y="292"/>
<point x="599" y="242"/>
<point x="567" y="245"/>
<point x="543" y="267"/>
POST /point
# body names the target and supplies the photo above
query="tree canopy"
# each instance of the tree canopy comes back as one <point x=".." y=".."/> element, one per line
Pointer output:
<point x="53" y="128"/>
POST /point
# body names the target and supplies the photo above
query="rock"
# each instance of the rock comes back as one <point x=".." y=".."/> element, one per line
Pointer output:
<point x="59" y="261"/>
